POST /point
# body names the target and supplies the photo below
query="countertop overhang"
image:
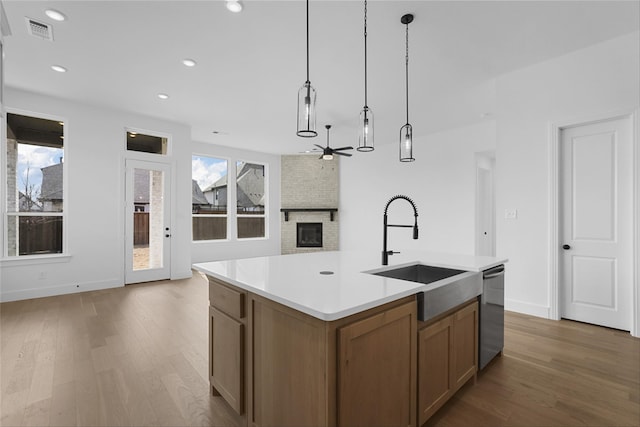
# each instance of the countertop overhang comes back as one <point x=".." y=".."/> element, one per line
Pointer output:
<point x="300" y="281"/>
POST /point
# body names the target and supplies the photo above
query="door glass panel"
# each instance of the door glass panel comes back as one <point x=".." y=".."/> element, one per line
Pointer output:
<point x="148" y="219"/>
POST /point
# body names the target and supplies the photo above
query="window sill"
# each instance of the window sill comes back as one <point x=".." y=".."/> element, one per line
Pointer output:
<point x="34" y="259"/>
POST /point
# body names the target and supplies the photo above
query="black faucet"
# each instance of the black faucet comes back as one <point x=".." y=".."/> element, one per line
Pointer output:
<point x="385" y="252"/>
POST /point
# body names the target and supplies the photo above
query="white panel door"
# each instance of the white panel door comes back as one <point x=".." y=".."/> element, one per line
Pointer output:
<point x="147" y="219"/>
<point x="596" y="239"/>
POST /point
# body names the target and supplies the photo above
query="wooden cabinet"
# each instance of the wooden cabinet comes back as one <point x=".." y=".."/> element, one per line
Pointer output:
<point x="227" y="344"/>
<point x="358" y="370"/>
<point x="376" y="369"/>
<point x="282" y="367"/>
<point x="447" y="358"/>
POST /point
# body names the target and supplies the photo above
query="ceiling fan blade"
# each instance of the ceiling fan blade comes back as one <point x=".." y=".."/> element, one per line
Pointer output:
<point x="342" y="154"/>
<point x="321" y="157"/>
<point x="319" y="146"/>
<point x="343" y="148"/>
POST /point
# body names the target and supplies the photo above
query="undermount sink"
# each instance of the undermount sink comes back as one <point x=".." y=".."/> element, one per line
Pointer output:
<point x="420" y="273"/>
<point x="449" y="287"/>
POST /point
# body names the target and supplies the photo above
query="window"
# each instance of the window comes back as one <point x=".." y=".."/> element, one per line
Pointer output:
<point x="250" y="186"/>
<point x="209" y="198"/>
<point x="146" y="143"/>
<point x="35" y="198"/>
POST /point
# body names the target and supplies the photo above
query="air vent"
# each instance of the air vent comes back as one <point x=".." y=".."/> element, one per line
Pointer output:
<point x="39" y="29"/>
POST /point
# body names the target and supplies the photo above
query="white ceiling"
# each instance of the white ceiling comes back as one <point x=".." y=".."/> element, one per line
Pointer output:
<point x="121" y="54"/>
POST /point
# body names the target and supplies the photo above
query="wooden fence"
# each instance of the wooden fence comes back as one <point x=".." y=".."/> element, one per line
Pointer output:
<point x="140" y="228"/>
<point x="40" y="235"/>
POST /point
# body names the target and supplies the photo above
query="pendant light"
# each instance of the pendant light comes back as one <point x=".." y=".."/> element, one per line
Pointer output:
<point x="406" y="131"/>
<point x="365" y="138"/>
<point x="307" y="101"/>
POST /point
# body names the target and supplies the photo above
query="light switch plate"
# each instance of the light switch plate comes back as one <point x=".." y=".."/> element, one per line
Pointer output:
<point x="511" y="214"/>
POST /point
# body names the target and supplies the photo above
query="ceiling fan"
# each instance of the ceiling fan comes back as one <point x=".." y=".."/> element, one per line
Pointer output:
<point x="328" y="152"/>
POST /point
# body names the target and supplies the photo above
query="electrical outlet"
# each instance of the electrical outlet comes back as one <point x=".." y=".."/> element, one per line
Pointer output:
<point x="511" y="214"/>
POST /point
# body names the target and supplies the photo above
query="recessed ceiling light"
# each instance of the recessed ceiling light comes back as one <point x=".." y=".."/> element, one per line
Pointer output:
<point x="55" y="15"/>
<point x="189" y="62"/>
<point x="234" y="6"/>
<point x="59" y="68"/>
<point x="163" y="96"/>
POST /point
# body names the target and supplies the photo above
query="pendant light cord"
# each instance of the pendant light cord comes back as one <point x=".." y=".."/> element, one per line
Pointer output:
<point x="307" y="41"/>
<point x="365" y="53"/>
<point x="407" y="70"/>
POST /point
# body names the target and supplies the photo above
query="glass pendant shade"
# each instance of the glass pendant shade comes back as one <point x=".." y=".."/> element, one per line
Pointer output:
<point x="406" y="143"/>
<point x="365" y="138"/>
<point x="307" y="111"/>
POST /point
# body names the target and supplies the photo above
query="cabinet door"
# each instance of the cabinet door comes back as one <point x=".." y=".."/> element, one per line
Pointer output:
<point x="465" y="345"/>
<point x="376" y="369"/>
<point x="227" y="358"/>
<point x="435" y="382"/>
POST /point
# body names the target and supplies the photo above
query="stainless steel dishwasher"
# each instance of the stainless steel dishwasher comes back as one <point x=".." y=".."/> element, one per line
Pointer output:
<point x="491" y="340"/>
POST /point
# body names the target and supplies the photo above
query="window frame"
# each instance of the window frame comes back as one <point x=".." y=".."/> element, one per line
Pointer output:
<point x="266" y="201"/>
<point x="6" y="215"/>
<point x="228" y="160"/>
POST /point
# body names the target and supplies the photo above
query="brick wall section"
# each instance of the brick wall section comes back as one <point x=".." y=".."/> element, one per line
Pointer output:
<point x="156" y="223"/>
<point x="308" y="182"/>
<point x="12" y="194"/>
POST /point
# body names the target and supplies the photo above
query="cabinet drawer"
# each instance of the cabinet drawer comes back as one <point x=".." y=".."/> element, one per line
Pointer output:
<point x="226" y="299"/>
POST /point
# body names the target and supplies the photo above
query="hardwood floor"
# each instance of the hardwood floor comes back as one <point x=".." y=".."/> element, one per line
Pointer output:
<point x="553" y="374"/>
<point x="138" y="356"/>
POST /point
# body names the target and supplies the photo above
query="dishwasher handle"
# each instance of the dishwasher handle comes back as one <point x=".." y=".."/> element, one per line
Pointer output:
<point x="494" y="272"/>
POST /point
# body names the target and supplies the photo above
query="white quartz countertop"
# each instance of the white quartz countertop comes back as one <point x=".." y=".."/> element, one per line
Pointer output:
<point x="296" y="280"/>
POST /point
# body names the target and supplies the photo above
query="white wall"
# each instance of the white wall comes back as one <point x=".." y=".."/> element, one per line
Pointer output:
<point x="94" y="165"/>
<point x="441" y="181"/>
<point x="594" y="81"/>
<point x="233" y="248"/>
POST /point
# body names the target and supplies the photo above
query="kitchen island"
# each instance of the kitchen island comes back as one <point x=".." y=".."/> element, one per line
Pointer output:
<point x="318" y="339"/>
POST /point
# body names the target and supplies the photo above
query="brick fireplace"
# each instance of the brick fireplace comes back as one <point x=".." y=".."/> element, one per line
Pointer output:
<point x="309" y="199"/>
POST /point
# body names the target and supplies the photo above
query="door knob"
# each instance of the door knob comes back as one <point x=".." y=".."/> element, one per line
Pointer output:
<point x="167" y="235"/>
<point x="566" y="247"/>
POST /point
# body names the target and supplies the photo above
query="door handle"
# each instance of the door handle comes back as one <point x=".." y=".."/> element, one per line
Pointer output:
<point x="167" y="235"/>
<point x="566" y="247"/>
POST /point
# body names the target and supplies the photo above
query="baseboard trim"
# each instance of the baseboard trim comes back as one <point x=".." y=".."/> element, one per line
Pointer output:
<point x="528" y="308"/>
<point x="72" y="288"/>
<point x="187" y="274"/>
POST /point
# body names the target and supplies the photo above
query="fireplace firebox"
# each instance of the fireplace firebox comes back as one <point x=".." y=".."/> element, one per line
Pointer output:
<point x="309" y="235"/>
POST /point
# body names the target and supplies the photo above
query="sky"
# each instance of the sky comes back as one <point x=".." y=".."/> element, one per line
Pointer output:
<point x="31" y="158"/>
<point x="207" y="170"/>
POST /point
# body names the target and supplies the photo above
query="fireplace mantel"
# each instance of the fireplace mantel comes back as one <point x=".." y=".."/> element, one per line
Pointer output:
<point x="287" y="210"/>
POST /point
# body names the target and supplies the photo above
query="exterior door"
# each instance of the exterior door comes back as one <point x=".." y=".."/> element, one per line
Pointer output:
<point x="147" y="219"/>
<point x="596" y="232"/>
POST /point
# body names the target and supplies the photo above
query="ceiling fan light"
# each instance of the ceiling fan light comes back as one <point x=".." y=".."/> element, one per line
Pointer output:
<point x="327" y="157"/>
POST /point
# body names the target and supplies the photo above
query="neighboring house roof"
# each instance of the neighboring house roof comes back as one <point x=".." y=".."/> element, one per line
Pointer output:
<point x="51" y="188"/>
<point x="222" y="182"/>
<point x="28" y="204"/>
<point x="251" y="185"/>
<point x="197" y="197"/>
